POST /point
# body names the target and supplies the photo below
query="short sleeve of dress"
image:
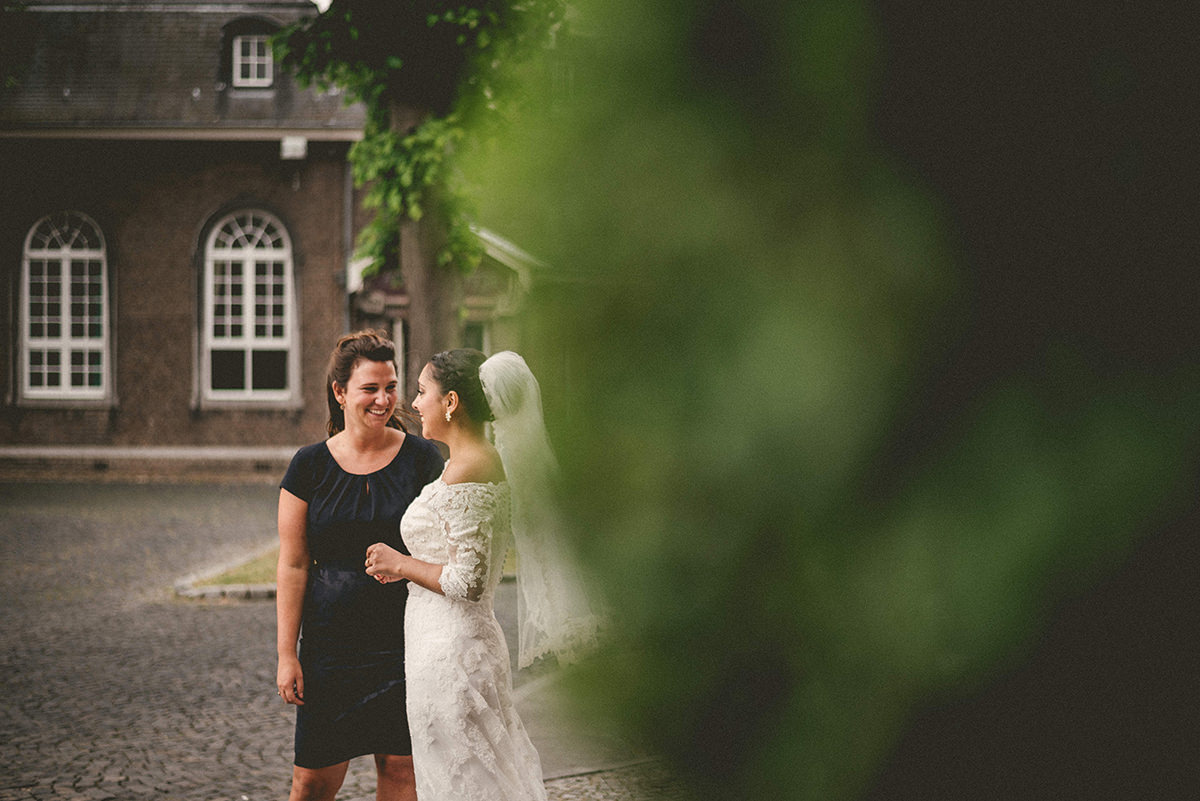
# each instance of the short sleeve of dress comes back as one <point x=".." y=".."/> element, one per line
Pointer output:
<point x="299" y="478"/>
<point x="467" y="518"/>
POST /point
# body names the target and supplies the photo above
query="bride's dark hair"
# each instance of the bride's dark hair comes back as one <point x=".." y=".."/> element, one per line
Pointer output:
<point x="458" y="370"/>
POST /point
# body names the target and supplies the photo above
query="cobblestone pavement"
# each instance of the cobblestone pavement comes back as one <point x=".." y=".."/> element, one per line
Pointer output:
<point x="115" y="689"/>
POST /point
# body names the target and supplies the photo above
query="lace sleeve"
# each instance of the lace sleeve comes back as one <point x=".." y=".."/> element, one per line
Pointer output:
<point x="466" y="521"/>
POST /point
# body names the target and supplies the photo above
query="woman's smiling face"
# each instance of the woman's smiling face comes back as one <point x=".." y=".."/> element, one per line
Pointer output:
<point x="369" y="395"/>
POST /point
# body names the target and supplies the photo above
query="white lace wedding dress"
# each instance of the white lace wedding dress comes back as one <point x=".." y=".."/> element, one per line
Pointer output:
<point x="468" y="742"/>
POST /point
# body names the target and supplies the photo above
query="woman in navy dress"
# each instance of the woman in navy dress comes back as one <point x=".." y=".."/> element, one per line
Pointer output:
<point x="338" y="497"/>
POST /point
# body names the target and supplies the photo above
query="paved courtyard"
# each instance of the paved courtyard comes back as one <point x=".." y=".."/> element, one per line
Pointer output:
<point x="114" y="688"/>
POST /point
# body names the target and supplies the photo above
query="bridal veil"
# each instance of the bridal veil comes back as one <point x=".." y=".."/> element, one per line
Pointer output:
<point x="556" y="616"/>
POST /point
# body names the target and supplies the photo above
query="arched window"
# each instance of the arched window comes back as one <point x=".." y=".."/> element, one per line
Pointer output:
<point x="64" y="315"/>
<point x="249" y="332"/>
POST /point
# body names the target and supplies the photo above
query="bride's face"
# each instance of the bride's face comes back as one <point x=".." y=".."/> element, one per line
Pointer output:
<point x="430" y="405"/>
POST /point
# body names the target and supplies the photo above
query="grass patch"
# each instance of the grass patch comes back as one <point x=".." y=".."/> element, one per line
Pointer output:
<point x="260" y="570"/>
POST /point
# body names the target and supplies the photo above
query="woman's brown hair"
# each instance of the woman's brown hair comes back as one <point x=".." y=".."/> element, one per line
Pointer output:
<point x="350" y="350"/>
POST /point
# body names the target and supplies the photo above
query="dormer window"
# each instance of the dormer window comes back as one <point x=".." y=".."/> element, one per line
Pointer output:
<point x="252" y="62"/>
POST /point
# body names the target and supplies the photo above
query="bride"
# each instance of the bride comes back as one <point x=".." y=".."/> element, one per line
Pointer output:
<point x="468" y="742"/>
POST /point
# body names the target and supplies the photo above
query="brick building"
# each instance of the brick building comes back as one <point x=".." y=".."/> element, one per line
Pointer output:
<point x="177" y="224"/>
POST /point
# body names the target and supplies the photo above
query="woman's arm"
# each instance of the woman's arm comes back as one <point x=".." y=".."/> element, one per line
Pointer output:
<point x="291" y="578"/>
<point x="468" y="552"/>
<point x="387" y="564"/>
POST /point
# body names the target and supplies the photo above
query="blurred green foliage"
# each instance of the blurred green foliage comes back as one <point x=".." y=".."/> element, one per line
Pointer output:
<point x="843" y="424"/>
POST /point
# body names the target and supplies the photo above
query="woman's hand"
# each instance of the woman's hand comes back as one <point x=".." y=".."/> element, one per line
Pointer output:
<point x="385" y="563"/>
<point x="289" y="680"/>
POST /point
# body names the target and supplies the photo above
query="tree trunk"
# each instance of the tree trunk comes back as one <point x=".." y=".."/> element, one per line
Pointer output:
<point x="434" y="293"/>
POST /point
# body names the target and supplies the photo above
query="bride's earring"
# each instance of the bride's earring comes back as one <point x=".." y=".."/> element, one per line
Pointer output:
<point x="447" y="415"/>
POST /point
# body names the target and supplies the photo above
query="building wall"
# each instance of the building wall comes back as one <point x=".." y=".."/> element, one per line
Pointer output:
<point x="153" y="202"/>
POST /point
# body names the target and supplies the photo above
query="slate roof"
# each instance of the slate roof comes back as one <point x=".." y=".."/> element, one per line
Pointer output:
<point x="154" y="68"/>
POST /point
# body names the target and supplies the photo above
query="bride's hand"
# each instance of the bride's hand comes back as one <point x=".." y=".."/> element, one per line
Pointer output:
<point x="384" y="563"/>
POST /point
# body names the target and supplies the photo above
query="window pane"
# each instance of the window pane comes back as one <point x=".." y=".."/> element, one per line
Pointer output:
<point x="78" y="311"/>
<point x="37" y="368"/>
<point x="269" y="280"/>
<point x="473" y="336"/>
<point x="77" y="371"/>
<point x="227" y="287"/>
<point x="228" y="369"/>
<point x="86" y="369"/>
<point x="67" y="231"/>
<point x="86" y="296"/>
<point x="45" y="368"/>
<point x="270" y="369"/>
<point x="53" y="370"/>
<point x="45" y="292"/>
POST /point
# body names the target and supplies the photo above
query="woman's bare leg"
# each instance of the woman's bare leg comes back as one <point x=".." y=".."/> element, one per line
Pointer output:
<point x="396" y="781"/>
<point x="317" y="784"/>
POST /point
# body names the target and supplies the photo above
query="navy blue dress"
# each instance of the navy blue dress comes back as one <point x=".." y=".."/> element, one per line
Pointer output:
<point x="352" y="629"/>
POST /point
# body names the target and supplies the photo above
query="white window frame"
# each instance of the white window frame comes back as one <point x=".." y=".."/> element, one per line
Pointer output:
<point x="71" y="334"/>
<point x="260" y="61"/>
<point x="485" y="330"/>
<point x="248" y="258"/>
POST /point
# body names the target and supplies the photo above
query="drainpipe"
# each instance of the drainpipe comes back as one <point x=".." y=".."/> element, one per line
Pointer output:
<point x="347" y="240"/>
